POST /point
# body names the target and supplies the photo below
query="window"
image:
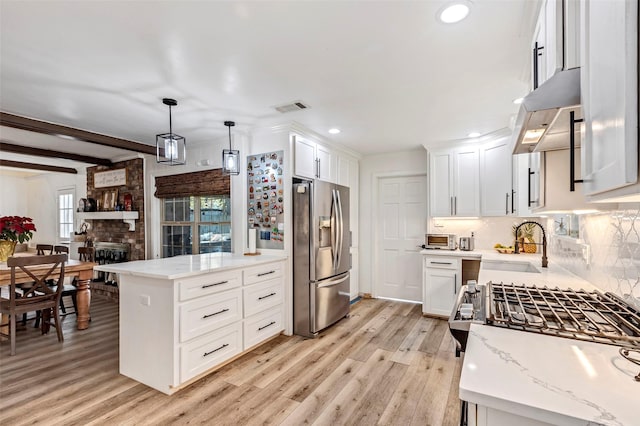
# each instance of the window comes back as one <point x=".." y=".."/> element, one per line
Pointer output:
<point x="65" y="214"/>
<point x="206" y="217"/>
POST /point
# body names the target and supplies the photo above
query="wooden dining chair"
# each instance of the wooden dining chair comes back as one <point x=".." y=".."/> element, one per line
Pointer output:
<point x="68" y="290"/>
<point x="39" y="297"/>
<point x="87" y="254"/>
<point x="44" y="249"/>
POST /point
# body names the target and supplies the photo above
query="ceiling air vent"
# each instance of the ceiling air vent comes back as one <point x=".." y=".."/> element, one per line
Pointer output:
<point x="293" y="106"/>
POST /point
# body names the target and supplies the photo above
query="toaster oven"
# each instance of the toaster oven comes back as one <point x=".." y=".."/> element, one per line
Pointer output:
<point x="440" y="241"/>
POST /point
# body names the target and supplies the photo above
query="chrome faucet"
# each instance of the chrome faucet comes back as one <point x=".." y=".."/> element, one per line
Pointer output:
<point x="545" y="261"/>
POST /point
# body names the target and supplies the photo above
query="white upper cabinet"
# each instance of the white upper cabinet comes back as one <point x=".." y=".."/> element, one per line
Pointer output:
<point x="454" y="182"/>
<point x="314" y="161"/>
<point x="327" y="164"/>
<point x="609" y="89"/>
<point x="497" y="192"/>
<point x="555" y="43"/>
<point x="304" y="158"/>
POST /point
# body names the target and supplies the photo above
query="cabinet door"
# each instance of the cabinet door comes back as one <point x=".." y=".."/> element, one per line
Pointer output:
<point x="344" y="171"/>
<point x="326" y="164"/>
<point x="495" y="166"/>
<point x="441" y="286"/>
<point x="440" y="184"/>
<point x="304" y="158"/>
<point x="538" y="46"/>
<point x="466" y="193"/>
<point x="609" y="95"/>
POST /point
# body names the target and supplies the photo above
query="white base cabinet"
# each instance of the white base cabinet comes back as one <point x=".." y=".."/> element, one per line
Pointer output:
<point x="172" y="331"/>
<point x="441" y="281"/>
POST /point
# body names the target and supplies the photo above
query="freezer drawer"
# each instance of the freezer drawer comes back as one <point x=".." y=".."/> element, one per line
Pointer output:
<point x="330" y="301"/>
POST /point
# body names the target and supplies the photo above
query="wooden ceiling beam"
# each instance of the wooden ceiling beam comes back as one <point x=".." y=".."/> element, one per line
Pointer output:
<point x="33" y="166"/>
<point x="38" y="126"/>
<point x="39" y="152"/>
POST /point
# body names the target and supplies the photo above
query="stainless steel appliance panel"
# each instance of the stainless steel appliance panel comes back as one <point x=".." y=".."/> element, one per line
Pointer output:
<point x="321" y="258"/>
<point x="330" y="301"/>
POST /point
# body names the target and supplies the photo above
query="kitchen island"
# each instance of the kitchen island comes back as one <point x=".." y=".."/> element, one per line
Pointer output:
<point x="185" y="316"/>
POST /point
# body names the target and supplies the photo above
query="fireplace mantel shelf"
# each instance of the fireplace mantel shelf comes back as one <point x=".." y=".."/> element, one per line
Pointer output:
<point x="127" y="217"/>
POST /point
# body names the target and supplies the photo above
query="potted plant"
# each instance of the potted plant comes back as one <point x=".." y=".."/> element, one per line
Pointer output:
<point x="525" y="238"/>
<point x="13" y="230"/>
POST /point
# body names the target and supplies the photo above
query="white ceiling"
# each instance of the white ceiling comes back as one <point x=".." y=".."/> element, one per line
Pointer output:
<point x="386" y="73"/>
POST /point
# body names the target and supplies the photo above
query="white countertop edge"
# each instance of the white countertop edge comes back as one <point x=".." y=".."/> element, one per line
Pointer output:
<point x="531" y="412"/>
<point x="140" y="268"/>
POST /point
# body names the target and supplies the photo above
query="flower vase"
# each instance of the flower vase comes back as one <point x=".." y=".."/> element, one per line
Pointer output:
<point x="6" y="249"/>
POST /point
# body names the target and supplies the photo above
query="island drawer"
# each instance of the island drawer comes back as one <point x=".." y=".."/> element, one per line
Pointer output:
<point x="210" y="350"/>
<point x="259" y="273"/>
<point x="261" y="326"/>
<point x="259" y="297"/>
<point x="203" y="285"/>
<point x="206" y="314"/>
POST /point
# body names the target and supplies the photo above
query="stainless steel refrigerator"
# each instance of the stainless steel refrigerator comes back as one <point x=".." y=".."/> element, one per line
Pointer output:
<point x="321" y="258"/>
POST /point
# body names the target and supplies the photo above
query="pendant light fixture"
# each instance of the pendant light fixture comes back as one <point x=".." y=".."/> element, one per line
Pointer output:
<point x="170" y="147"/>
<point x="230" y="157"/>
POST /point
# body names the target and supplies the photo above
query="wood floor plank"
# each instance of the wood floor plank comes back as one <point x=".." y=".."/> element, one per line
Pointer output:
<point x="409" y="347"/>
<point x="402" y="405"/>
<point x="312" y="406"/>
<point x="384" y="364"/>
<point x="340" y="410"/>
<point x="433" y="400"/>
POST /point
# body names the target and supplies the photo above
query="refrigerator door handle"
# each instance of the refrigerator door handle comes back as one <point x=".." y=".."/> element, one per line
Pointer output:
<point x="335" y="281"/>
<point x="340" y="231"/>
<point x="334" y="228"/>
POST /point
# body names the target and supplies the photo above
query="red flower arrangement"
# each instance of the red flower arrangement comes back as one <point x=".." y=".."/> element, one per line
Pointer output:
<point x="16" y="228"/>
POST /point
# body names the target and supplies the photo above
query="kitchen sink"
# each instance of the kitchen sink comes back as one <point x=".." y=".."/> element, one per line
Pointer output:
<point x="495" y="265"/>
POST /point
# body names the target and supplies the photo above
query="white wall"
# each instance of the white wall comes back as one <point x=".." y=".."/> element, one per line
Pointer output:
<point x="401" y="163"/>
<point x="35" y="197"/>
<point x="13" y="188"/>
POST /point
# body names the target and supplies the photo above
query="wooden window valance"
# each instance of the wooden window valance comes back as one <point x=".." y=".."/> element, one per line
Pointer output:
<point x="207" y="182"/>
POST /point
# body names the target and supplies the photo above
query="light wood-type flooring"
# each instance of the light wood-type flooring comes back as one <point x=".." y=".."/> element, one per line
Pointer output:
<point x="385" y="364"/>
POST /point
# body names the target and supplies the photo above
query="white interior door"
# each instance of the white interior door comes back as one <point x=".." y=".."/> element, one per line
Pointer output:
<point x="402" y="217"/>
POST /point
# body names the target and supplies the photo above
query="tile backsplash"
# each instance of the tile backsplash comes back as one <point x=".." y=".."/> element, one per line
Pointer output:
<point x="487" y="231"/>
<point x="607" y="253"/>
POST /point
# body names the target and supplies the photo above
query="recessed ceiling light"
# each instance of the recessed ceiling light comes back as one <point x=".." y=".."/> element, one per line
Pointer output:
<point x="518" y="101"/>
<point x="334" y="131"/>
<point x="474" y="134"/>
<point x="453" y="12"/>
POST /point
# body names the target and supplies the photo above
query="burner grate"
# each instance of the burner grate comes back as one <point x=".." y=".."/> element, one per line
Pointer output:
<point x="577" y="314"/>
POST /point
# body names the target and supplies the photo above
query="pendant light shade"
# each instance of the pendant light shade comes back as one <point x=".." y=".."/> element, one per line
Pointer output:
<point x="171" y="148"/>
<point x="230" y="157"/>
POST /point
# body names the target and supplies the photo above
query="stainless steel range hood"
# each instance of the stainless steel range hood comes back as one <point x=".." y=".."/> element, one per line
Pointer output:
<point x="543" y="119"/>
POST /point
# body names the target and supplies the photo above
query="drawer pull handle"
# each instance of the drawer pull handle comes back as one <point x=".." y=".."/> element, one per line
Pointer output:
<point x="216" y="350"/>
<point x="214" y="284"/>
<point x="441" y="263"/>
<point x="266" y="273"/>
<point x="265" y="326"/>
<point x="215" y="313"/>
<point x="268" y="295"/>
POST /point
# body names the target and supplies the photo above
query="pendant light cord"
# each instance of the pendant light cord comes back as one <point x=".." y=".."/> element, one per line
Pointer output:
<point x="170" y="128"/>
<point x="229" y="138"/>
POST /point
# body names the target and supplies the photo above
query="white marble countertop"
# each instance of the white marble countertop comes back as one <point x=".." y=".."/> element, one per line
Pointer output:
<point x="551" y="379"/>
<point x="185" y="266"/>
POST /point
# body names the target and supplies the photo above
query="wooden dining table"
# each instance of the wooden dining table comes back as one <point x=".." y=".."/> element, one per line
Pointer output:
<point x="83" y="271"/>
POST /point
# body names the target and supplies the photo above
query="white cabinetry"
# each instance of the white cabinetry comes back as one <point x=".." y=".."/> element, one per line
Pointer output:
<point x="555" y="44"/>
<point x="496" y="180"/>
<point x="173" y="331"/>
<point x="314" y="161"/>
<point x="441" y="281"/>
<point x="454" y="178"/>
<point x="609" y="80"/>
